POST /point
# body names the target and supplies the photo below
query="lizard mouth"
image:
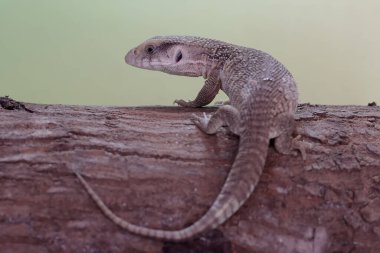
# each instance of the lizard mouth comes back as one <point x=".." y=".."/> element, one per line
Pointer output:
<point x="132" y="59"/>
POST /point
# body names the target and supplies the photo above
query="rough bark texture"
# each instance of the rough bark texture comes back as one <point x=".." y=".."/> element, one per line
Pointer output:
<point x="153" y="167"/>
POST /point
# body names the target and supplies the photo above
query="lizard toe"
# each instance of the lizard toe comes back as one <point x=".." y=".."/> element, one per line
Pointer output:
<point x="200" y="122"/>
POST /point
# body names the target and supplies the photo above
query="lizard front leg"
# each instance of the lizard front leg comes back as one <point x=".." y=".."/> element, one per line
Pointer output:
<point x="205" y="95"/>
<point x="226" y="115"/>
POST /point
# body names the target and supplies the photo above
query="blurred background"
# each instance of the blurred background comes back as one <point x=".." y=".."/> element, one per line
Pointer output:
<point x="72" y="52"/>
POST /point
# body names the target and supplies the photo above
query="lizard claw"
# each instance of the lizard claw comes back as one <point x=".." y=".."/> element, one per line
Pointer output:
<point x="300" y="146"/>
<point x="201" y="122"/>
<point x="183" y="103"/>
<point x="178" y="101"/>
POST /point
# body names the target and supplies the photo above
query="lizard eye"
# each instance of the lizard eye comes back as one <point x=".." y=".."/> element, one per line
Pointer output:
<point x="149" y="49"/>
<point x="178" y="57"/>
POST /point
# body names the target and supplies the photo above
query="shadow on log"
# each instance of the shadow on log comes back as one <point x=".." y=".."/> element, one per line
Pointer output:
<point x="154" y="168"/>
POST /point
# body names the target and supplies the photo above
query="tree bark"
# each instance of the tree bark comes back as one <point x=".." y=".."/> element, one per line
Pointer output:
<point x="154" y="168"/>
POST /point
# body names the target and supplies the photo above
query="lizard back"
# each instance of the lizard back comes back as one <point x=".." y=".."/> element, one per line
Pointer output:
<point x="263" y="97"/>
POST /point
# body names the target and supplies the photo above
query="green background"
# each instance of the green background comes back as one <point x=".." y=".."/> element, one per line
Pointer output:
<point x="72" y="51"/>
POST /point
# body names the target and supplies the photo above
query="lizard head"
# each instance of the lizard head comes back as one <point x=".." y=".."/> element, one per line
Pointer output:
<point x="170" y="54"/>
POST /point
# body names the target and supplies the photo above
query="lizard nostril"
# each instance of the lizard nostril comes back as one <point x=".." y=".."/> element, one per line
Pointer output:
<point x="135" y="52"/>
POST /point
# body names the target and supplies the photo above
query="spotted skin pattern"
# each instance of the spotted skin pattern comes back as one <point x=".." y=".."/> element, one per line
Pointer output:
<point x="263" y="98"/>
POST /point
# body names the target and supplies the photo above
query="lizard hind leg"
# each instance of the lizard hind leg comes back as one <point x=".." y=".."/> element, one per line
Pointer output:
<point x="226" y="115"/>
<point x="282" y="130"/>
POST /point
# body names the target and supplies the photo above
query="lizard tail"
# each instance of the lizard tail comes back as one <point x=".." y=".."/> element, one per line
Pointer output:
<point x="240" y="183"/>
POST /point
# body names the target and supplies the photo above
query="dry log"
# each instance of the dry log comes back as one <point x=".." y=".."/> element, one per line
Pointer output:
<point x="154" y="168"/>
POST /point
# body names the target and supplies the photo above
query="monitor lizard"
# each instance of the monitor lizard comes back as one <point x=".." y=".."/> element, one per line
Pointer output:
<point x="263" y="98"/>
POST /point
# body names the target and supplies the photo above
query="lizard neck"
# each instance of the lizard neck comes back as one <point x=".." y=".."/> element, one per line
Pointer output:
<point x="214" y="59"/>
<point x="210" y="67"/>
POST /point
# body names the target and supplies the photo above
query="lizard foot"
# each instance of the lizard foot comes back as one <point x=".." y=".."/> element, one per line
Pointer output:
<point x="292" y="146"/>
<point x="201" y="122"/>
<point x="300" y="146"/>
<point x="183" y="103"/>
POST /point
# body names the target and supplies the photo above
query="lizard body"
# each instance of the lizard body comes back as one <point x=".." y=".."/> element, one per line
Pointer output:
<point x="263" y="98"/>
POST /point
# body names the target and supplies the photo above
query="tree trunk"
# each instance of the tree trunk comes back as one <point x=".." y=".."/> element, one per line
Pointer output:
<point x="154" y="168"/>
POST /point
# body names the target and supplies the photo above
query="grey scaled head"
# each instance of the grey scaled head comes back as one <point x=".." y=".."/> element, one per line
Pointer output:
<point x="168" y="55"/>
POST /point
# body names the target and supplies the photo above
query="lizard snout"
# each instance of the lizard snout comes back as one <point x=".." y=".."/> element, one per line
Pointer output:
<point x="130" y="57"/>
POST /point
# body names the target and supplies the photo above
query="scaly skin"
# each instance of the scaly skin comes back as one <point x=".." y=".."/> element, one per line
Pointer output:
<point x="263" y="98"/>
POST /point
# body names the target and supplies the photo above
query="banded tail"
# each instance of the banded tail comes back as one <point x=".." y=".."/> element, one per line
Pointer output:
<point x="240" y="183"/>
